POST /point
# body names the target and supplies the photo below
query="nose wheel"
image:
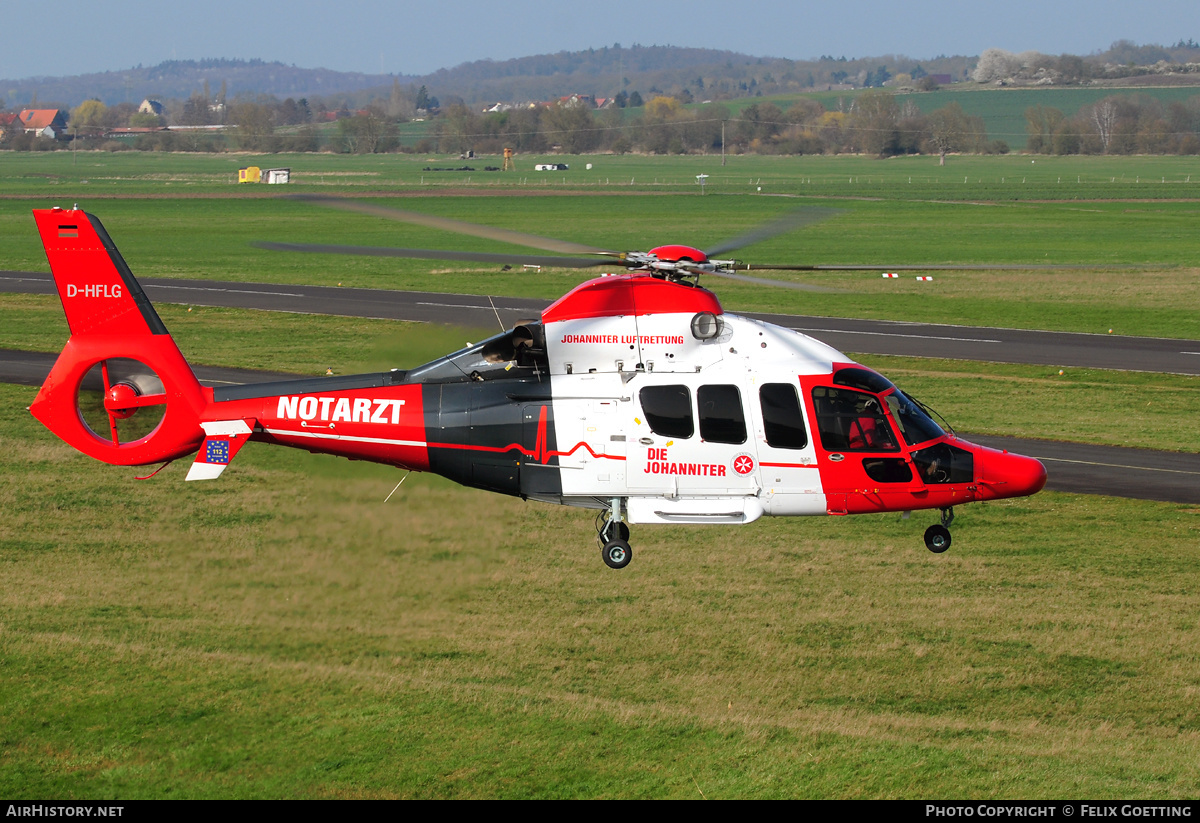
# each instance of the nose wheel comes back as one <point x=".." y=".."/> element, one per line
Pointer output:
<point x="937" y="536"/>
<point x="612" y="534"/>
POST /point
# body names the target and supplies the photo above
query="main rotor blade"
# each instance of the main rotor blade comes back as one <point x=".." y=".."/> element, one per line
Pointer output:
<point x="780" y="225"/>
<point x="762" y="281"/>
<point x="517" y="238"/>
<point x="439" y="254"/>
<point x="934" y="267"/>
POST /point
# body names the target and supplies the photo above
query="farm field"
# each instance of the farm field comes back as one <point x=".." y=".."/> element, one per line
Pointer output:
<point x="1002" y="109"/>
<point x="283" y="632"/>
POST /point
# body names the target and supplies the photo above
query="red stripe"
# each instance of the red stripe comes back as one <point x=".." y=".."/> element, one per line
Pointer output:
<point x="534" y="453"/>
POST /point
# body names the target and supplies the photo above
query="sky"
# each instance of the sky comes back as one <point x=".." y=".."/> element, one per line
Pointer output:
<point x="401" y="37"/>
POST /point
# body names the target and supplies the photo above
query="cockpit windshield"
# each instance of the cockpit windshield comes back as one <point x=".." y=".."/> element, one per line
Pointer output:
<point x="915" y="425"/>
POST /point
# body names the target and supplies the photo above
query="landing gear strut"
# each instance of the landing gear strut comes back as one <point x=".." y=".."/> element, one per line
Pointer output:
<point x="937" y="536"/>
<point x="612" y="534"/>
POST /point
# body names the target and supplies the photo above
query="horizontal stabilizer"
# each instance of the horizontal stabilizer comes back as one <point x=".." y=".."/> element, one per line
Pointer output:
<point x="222" y="440"/>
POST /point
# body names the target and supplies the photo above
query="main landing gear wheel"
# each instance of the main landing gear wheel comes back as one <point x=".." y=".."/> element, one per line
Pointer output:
<point x="616" y="554"/>
<point x="937" y="538"/>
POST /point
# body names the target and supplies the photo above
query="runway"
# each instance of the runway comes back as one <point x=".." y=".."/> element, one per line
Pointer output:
<point x="1060" y="349"/>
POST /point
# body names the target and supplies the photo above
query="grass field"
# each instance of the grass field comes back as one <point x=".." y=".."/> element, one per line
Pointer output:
<point x="61" y="175"/>
<point x="285" y="633"/>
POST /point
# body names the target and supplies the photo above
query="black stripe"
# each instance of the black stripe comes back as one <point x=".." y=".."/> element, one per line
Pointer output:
<point x="132" y="286"/>
<point x="309" y="385"/>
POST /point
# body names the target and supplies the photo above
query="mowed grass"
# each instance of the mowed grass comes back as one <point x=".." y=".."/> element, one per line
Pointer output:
<point x="99" y="175"/>
<point x="285" y="633"/>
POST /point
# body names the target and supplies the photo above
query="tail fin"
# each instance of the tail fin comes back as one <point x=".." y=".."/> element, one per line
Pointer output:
<point x="119" y="345"/>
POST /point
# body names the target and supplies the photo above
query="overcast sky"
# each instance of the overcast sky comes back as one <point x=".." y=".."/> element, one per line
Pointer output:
<point x="71" y="37"/>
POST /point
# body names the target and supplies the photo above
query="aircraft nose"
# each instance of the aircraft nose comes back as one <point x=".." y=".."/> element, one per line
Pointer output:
<point x="1012" y="475"/>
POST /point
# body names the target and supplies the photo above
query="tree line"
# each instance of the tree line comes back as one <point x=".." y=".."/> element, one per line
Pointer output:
<point x="1118" y="124"/>
<point x="874" y="122"/>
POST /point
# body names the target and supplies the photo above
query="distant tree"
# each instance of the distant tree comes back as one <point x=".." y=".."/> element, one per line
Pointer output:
<point x="291" y="113"/>
<point x="1104" y="116"/>
<point x="1041" y="122"/>
<point x="369" y="132"/>
<point x="458" y="129"/>
<point x="196" y="111"/>
<point x="144" y="120"/>
<point x="255" y="125"/>
<point x="874" y="121"/>
<point x="572" y="127"/>
<point x="876" y="77"/>
<point x="89" y="116"/>
<point x="951" y="130"/>
<point x="635" y="100"/>
<point x="995" y="64"/>
<point x="1072" y="69"/>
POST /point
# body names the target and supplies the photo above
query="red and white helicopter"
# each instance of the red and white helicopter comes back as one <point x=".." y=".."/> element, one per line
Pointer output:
<point x="635" y="394"/>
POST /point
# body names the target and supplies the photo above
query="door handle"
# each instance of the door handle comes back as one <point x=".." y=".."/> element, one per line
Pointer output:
<point x="646" y="441"/>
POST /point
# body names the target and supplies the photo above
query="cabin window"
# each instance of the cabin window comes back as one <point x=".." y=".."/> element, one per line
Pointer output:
<point x="721" y="417"/>
<point x="668" y="410"/>
<point x="783" y="422"/>
<point x="849" y="420"/>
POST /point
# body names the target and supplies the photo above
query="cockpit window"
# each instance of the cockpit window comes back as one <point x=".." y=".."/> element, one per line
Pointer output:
<point x="915" y="425"/>
<point x="850" y="420"/>
<point x="865" y="379"/>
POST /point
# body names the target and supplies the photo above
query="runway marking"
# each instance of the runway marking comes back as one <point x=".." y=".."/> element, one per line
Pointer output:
<point x="228" y="291"/>
<point x="893" y="334"/>
<point x="469" y="306"/>
<point x="1116" y="465"/>
<point x="1190" y="352"/>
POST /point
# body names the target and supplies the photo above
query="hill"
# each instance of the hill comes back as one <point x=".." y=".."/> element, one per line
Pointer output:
<point x="181" y="79"/>
<point x="702" y="73"/>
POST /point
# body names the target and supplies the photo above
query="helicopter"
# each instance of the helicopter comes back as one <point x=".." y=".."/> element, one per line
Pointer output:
<point x="635" y="394"/>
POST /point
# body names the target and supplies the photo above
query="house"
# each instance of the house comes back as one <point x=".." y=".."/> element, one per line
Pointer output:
<point x="151" y="107"/>
<point x="43" y="122"/>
